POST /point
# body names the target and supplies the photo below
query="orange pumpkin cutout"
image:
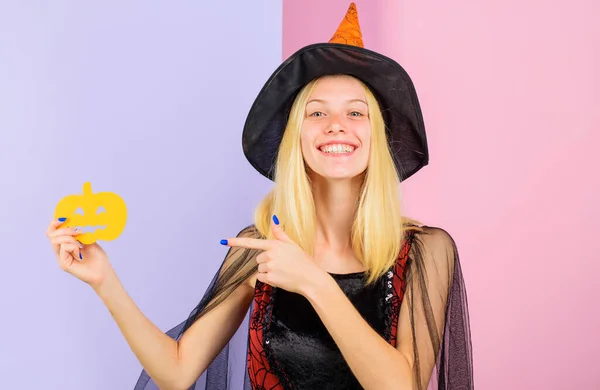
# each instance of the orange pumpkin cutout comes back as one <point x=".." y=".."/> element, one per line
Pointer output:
<point x="101" y="216"/>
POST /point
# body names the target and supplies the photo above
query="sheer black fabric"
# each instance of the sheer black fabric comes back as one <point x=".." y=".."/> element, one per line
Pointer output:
<point x="434" y="318"/>
<point x="435" y="312"/>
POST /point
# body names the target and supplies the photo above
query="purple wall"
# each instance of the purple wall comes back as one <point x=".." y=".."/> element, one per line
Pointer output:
<point x="144" y="100"/>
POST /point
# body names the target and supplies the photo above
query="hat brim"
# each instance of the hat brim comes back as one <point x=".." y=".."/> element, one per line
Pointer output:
<point x="387" y="80"/>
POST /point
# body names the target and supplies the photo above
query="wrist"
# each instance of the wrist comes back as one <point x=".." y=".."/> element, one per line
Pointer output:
<point x="319" y="286"/>
<point x="108" y="283"/>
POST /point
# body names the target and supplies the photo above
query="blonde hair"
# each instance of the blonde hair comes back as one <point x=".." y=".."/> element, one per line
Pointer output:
<point x="378" y="228"/>
<point x="377" y="236"/>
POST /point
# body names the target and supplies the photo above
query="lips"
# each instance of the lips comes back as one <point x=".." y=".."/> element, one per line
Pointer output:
<point x="337" y="150"/>
<point x="337" y="142"/>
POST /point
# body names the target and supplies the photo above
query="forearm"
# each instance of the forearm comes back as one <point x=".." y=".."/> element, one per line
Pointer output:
<point x="156" y="351"/>
<point x="375" y="363"/>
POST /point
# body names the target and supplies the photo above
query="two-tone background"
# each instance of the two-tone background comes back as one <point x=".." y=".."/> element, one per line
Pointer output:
<point x="148" y="99"/>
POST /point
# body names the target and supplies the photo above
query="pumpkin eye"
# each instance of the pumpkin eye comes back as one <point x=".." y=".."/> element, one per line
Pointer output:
<point x="78" y="210"/>
<point x="100" y="210"/>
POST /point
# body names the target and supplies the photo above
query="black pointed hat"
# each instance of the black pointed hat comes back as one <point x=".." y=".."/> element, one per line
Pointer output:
<point x="343" y="54"/>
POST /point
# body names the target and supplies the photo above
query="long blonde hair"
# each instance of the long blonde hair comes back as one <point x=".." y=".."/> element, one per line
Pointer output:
<point x="378" y="232"/>
<point x="378" y="228"/>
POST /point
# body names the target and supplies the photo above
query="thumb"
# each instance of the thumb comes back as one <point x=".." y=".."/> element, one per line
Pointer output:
<point x="277" y="230"/>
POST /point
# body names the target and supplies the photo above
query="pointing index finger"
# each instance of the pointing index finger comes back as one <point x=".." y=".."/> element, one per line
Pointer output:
<point x="245" y="242"/>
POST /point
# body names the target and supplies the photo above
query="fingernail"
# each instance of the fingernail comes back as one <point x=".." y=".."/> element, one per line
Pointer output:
<point x="223" y="242"/>
<point x="275" y="219"/>
<point x="62" y="219"/>
<point x="81" y="257"/>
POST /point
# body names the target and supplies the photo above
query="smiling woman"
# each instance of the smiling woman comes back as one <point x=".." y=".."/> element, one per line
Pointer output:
<point x="345" y="292"/>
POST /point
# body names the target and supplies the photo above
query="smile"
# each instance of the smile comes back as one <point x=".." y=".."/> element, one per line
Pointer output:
<point x="337" y="149"/>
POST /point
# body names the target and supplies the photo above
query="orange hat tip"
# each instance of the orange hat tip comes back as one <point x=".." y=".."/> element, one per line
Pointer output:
<point x="348" y="31"/>
<point x="352" y="9"/>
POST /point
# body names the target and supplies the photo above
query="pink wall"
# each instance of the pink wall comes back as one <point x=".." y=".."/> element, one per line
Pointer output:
<point x="375" y="17"/>
<point x="510" y="94"/>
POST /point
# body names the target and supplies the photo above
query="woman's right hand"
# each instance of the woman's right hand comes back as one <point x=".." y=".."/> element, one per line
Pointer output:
<point x="87" y="263"/>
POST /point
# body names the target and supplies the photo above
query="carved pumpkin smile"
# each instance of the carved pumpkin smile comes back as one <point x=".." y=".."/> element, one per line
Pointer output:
<point x="100" y="216"/>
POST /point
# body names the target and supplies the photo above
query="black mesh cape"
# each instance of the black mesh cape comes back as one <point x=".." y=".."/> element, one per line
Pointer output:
<point x="434" y="315"/>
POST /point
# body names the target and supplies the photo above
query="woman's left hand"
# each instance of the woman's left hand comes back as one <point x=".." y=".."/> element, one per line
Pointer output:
<point x="282" y="263"/>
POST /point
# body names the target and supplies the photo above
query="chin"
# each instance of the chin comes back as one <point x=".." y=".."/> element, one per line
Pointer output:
<point x="339" y="175"/>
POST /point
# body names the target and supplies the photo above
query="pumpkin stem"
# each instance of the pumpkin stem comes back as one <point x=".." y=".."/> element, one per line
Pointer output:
<point x="87" y="188"/>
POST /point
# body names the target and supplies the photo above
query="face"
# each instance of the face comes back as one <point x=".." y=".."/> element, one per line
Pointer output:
<point x="336" y="131"/>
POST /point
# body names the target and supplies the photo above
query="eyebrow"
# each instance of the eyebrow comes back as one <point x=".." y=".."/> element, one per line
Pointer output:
<point x="348" y="101"/>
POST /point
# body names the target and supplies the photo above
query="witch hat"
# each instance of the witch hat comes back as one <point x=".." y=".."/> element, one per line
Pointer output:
<point x="344" y="53"/>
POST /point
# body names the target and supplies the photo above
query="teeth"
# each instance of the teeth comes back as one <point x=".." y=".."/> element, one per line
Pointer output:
<point x="337" y="148"/>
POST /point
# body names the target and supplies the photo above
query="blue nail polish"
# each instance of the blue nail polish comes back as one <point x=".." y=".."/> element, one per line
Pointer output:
<point x="223" y="242"/>
<point x="62" y="219"/>
<point x="275" y="219"/>
<point x="81" y="257"/>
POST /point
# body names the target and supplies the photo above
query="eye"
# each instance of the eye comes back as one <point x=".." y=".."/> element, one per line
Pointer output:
<point x="101" y="209"/>
<point x="356" y="113"/>
<point x="316" y="113"/>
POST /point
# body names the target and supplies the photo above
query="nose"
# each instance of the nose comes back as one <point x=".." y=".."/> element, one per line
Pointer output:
<point x="335" y="126"/>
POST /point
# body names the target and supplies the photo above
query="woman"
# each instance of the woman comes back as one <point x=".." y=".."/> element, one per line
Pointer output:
<point x="344" y="292"/>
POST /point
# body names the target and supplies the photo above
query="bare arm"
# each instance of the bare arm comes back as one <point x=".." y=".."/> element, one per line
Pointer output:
<point x="175" y="365"/>
<point x="422" y="314"/>
<point x="171" y="364"/>
<point x="374" y="362"/>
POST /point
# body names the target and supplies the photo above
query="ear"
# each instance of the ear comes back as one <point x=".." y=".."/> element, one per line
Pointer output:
<point x="277" y="230"/>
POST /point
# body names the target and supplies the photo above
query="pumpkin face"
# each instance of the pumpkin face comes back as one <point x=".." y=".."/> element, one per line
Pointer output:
<point x="100" y="216"/>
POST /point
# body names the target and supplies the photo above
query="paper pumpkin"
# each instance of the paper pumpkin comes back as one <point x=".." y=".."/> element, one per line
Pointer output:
<point x="101" y="216"/>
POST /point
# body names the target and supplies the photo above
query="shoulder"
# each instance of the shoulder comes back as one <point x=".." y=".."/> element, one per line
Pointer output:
<point x="240" y="261"/>
<point x="434" y="237"/>
<point x="434" y="248"/>
<point x="250" y="231"/>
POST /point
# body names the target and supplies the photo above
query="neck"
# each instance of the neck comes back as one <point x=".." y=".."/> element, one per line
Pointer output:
<point x="335" y="205"/>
